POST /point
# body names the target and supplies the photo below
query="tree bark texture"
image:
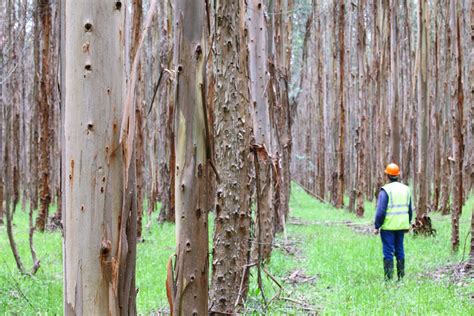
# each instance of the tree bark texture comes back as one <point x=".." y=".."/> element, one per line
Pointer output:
<point x="44" y="104"/>
<point x="258" y="75"/>
<point x="192" y="146"/>
<point x="100" y="208"/>
<point x="233" y="132"/>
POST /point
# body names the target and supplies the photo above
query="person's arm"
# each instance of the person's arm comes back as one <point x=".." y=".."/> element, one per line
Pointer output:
<point x="381" y="212"/>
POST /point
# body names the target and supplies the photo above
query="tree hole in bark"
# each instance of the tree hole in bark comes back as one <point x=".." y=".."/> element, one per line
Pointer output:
<point x="101" y="189"/>
<point x="105" y="247"/>
<point x="188" y="246"/>
<point x="88" y="27"/>
<point x="192" y="277"/>
<point x="88" y="67"/>
<point x="199" y="174"/>
<point x="182" y="187"/>
<point x="82" y="207"/>
<point x="90" y="127"/>
<point x="180" y="68"/>
<point x="198" y="213"/>
<point x="198" y="51"/>
<point x="118" y="5"/>
<point x="103" y="179"/>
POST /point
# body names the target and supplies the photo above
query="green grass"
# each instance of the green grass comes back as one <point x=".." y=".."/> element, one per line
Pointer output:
<point x="348" y="265"/>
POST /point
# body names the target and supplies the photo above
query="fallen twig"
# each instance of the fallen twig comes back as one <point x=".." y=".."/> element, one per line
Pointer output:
<point x="244" y="273"/>
<point x="280" y="287"/>
<point x="303" y="305"/>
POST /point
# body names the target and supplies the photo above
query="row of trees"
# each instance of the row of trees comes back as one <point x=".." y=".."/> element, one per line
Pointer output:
<point x="187" y="106"/>
<point x="387" y="81"/>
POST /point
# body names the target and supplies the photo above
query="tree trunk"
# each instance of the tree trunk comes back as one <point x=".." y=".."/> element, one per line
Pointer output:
<point x="100" y="207"/>
<point x="44" y="11"/>
<point x="232" y="137"/>
<point x="342" y="112"/>
<point x="424" y="109"/>
<point x="192" y="160"/>
<point x="395" y="115"/>
<point x="458" y="119"/>
<point x="139" y="130"/>
<point x="362" y="110"/>
<point x="262" y="130"/>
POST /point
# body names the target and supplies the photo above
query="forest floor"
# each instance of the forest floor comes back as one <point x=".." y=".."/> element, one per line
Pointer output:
<point x="329" y="263"/>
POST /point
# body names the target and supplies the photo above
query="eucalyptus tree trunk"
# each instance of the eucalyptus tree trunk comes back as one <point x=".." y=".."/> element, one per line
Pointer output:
<point x="321" y="158"/>
<point x="45" y="103"/>
<point x="362" y="110"/>
<point x="437" y="117"/>
<point x="99" y="205"/>
<point x="139" y="114"/>
<point x="232" y="130"/>
<point x="457" y="108"/>
<point x="342" y="112"/>
<point x="190" y="292"/>
<point x="423" y="106"/>
<point x="257" y="46"/>
<point x="395" y="106"/>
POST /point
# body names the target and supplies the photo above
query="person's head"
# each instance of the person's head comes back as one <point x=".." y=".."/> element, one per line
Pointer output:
<point x="392" y="171"/>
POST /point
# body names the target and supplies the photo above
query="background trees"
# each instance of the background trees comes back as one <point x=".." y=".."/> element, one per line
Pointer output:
<point x="232" y="100"/>
<point x="406" y="80"/>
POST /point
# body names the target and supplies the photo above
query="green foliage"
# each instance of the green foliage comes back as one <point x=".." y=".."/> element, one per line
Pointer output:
<point x="347" y="265"/>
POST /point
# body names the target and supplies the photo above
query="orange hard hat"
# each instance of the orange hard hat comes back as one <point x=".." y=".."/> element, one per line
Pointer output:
<point x="392" y="170"/>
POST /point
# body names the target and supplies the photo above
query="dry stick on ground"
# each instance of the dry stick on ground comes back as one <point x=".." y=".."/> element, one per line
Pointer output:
<point x="280" y="287"/>
<point x="244" y="273"/>
<point x="303" y="305"/>
<point x="17" y="286"/>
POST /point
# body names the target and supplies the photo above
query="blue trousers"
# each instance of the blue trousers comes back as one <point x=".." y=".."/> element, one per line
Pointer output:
<point x="392" y="244"/>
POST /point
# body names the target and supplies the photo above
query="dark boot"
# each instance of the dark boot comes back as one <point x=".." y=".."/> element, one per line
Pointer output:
<point x="388" y="269"/>
<point x="400" y="269"/>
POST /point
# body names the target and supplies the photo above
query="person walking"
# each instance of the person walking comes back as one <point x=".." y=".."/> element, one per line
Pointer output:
<point x="392" y="220"/>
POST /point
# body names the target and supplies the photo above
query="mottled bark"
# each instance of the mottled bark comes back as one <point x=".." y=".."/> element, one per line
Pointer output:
<point x="44" y="105"/>
<point x="233" y="160"/>
<point x="190" y="293"/>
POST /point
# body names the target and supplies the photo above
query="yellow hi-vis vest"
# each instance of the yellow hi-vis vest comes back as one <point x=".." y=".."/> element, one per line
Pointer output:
<point x="397" y="217"/>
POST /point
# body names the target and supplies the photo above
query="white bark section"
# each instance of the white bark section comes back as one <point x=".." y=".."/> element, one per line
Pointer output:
<point x="93" y="61"/>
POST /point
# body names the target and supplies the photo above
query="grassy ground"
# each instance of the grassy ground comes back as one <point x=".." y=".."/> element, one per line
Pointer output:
<point x="342" y="264"/>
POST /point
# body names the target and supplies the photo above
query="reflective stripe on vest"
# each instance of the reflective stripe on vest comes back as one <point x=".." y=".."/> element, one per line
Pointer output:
<point x="397" y="217"/>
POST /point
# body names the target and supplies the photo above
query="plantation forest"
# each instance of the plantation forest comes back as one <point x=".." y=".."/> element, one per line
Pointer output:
<point x="237" y="157"/>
